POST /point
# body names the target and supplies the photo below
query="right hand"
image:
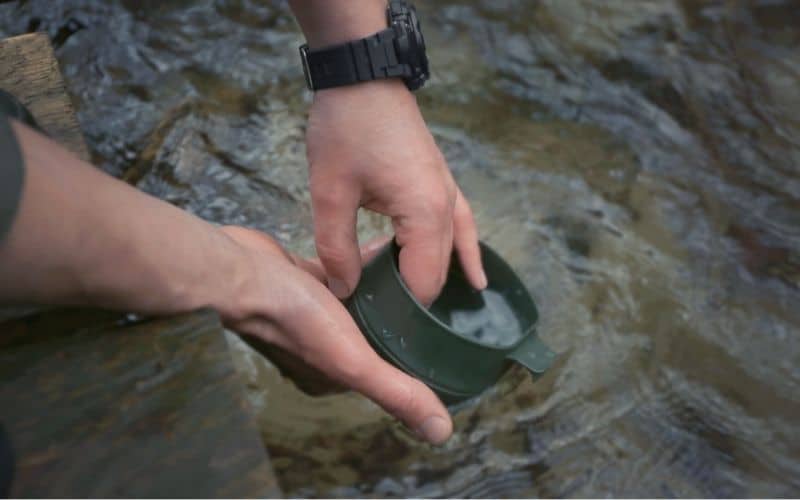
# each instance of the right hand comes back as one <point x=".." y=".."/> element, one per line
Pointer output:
<point x="368" y="146"/>
<point x="282" y="299"/>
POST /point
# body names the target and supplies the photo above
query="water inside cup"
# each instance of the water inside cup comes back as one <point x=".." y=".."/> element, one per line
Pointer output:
<point x="486" y="316"/>
<point x="494" y="323"/>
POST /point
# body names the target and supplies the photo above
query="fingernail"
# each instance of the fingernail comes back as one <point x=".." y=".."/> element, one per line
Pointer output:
<point x="484" y="280"/>
<point x="339" y="288"/>
<point x="435" y="430"/>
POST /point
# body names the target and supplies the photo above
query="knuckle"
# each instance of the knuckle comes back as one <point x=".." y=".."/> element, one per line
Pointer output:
<point x="439" y="204"/>
<point x="324" y="196"/>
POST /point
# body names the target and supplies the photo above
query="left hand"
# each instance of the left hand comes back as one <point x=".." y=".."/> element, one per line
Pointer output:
<point x="283" y="301"/>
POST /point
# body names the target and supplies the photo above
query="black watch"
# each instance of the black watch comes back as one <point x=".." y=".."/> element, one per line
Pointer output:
<point x="396" y="52"/>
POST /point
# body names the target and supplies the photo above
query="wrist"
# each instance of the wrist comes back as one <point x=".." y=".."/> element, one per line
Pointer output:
<point x="221" y="281"/>
<point x="388" y="92"/>
<point x="206" y="272"/>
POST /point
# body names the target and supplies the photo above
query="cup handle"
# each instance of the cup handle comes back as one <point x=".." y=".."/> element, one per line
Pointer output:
<point x="533" y="354"/>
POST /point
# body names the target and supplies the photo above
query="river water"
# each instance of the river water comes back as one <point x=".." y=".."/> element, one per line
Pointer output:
<point x="637" y="162"/>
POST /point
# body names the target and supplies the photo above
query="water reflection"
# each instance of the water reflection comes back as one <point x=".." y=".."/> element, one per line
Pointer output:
<point x="638" y="163"/>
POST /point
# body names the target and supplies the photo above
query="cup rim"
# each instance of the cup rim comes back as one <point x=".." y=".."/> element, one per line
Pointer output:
<point x="484" y="247"/>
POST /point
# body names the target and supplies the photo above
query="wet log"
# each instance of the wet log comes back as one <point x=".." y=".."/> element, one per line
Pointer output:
<point x="29" y="70"/>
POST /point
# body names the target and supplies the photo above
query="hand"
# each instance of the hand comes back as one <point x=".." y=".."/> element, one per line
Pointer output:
<point x="282" y="300"/>
<point x="368" y="146"/>
<point x="258" y="288"/>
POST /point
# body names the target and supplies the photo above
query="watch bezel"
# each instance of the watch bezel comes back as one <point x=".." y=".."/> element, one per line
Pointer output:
<point x="409" y="42"/>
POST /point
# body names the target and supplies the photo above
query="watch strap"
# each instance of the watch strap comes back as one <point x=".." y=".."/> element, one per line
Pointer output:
<point x="370" y="58"/>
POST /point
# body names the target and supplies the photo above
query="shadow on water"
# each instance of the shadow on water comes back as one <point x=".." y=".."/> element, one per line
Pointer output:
<point x="636" y="162"/>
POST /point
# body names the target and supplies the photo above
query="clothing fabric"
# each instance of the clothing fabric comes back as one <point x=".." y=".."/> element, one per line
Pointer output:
<point x="12" y="176"/>
<point x="6" y="464"/>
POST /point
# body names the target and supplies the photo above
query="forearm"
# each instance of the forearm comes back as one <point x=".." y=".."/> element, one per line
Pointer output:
<point x="84" y="238"/>
<point x="329" y="22"/>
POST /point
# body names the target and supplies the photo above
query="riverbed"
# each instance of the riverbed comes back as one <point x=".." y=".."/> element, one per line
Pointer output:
<point x="637" y="162"/>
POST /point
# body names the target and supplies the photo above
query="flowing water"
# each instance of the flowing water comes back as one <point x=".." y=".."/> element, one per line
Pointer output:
<point x="637" y="162"/>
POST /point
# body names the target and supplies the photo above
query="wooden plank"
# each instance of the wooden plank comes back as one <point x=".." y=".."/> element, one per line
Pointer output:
<point x="98" y="407"/>
<point x="29" y="70"/>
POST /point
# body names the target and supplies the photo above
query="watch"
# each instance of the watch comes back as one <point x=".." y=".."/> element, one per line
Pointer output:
<point x="396" y="52"/>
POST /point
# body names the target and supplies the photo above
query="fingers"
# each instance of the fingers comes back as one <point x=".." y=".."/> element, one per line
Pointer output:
<point x="423" y="256"/>
<point x="324" y="335"/>
<point x="335" y="207"/>
<point x="426" y="242"/>
<point x="408" y="399"/>
<point x="368" y="252"/>
<point x="466" y="243"/>
<point x="307" y="320"/>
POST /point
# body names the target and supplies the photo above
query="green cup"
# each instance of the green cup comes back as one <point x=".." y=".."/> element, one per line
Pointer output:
<point x="467" y="339"/>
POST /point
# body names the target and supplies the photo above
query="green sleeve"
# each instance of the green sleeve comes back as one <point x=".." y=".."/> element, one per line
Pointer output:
<point x="12" y="176"/>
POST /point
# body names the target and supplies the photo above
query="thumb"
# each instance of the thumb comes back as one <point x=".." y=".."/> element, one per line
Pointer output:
<point x="335" y="209"/>
<point x="325" y="336"/>
<point x="408" y="399"/>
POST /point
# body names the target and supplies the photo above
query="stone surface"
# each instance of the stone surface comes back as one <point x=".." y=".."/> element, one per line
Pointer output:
<point x="98" y="406"/>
